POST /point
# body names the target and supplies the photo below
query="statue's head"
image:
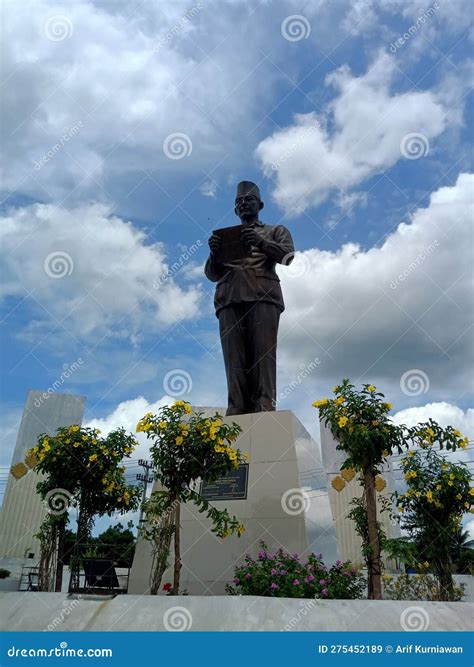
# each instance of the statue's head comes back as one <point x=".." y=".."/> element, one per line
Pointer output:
<point x="247" y="201"/>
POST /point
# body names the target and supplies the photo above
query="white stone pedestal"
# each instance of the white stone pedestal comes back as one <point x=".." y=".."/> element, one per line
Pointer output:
<point x="287" y="506"/>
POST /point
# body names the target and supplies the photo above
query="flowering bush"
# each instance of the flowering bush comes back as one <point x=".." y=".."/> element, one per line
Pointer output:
<point x="432" y="508"/>
<point x="423" y="586"/>
<point x="186" y="447"/>
<point x="87" y="467"/>
<point x="283" y="575"/>
<point x="360" y="422"/>
<point x="81" y="470"/>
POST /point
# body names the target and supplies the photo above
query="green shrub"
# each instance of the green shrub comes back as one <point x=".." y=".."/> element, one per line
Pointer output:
<point x="421" y="586"/>
<point x="4" y="573"/>
<point x="282" y="575"/>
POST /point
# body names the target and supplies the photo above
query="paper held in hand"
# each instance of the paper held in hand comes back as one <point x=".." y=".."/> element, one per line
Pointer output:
<point x="232" y="247"/>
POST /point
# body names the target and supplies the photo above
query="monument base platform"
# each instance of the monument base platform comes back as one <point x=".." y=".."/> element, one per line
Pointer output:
<point x="286" y="504"/>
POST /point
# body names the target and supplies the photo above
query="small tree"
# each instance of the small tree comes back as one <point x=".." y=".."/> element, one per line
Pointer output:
<point x="360" y="422"/>
<point x="82" y="470"/>
<point x="186" y="447"/>
<point x="432" y="508"/>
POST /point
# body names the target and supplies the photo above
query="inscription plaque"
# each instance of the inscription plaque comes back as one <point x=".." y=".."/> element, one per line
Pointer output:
<point x="232" y="486"/>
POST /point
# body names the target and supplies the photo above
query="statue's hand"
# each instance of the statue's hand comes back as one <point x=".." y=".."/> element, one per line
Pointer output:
<point x="215" y="243"/>
<point x="250" y="236"/>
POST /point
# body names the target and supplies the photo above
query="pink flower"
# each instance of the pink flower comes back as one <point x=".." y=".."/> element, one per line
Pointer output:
<point x="274" y="586"/>
<point x="338" y="563"/>
<point x="283" y="571"/>
<point x="322" y="582"/>
<point x="295" y="557"/>
<point x="236" y="581"/>
<point x="309" y="579"/>
<point x="262" y="554"/>
<point x="248" y="575"/>
<point x="325" y="592"/>
<point x="296" y="582"/>
<point x="273" y="571"/>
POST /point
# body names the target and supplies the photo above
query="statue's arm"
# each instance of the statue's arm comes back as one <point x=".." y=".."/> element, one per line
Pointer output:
<point x="214" y="270"/>
<point x="280" y="247"/>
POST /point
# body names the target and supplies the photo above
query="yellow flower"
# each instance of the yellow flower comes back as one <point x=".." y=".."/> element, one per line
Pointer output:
<point x="177" y="404"/>
<point x="76" y="444"/>
<point x="335" y="389"/>
<point x="380" y="483"/>
<point x="438" y="487"/>
<point x="459" y="496"/>
<point x="162" y="425"/>
<point x="429" y="496"/>
<point x="85" y="437"/>
<point x="188" y="409"/>
<point x="467" y="505"/>
<point x="92" y="457"/>
<point x="340" y="400"/>
<point x="457" y="433"/>
<point x="385" y="452"/>
<point x="342" y="421"/>
<point x="411" y="453"/>
<point x="97" y="430"/>
<point x="450" y="483"/>
<point x="401" y="510"/>
<point x="179" y="440"/>
<point x="321" y="403"/>
<point x="75" y="428"/>
<point x="471" y="491"/>
<point x="375" y="422"/>
<point x="451" y="476"/>
<point x="46" y="447"/>
<point x="240" y="529"/>
<point x="371" y="388"/>
<point x="388" y="406"/>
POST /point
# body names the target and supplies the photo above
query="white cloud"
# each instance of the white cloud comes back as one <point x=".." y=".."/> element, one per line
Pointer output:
<point x="107" y="272"/>
<point x="371" y="315"/>
<point x="369" y="123"/>
<point x="444" y="413"/>
<point x="130" y="74"/>
<point x="208" y="188"/>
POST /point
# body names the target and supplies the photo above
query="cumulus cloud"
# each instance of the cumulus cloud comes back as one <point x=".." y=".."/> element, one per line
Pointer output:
<point x="109" y="83"/>
<point x="364" y="136"/>
<point x="374" y="314"/>
<point x="90" y="270"/>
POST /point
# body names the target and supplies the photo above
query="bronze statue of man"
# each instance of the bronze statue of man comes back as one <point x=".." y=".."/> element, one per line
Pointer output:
<point x="248" y="302"/>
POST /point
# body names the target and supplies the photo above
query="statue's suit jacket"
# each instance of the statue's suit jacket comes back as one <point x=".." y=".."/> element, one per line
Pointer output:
<point x="253" y="278"/>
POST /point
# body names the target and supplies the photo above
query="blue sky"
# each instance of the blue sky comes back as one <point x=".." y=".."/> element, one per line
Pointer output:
<point x="355" y="120"/>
